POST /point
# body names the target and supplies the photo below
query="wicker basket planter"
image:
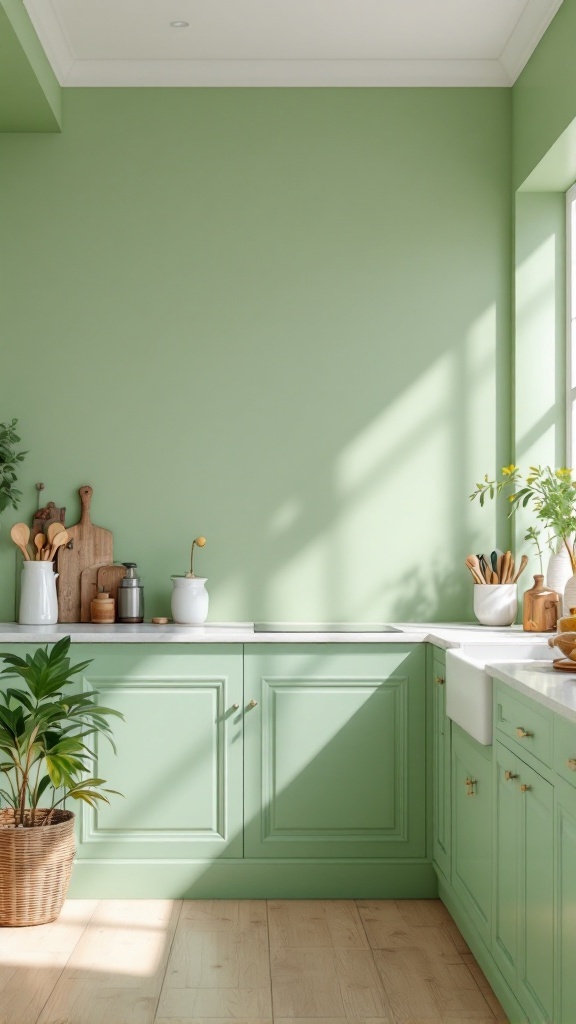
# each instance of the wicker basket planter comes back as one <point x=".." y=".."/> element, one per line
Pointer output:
<point x="35" y="866"/>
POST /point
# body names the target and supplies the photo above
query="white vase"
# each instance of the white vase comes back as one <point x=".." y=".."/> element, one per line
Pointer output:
<point x="569" y="600"/>
<point x="495" y="604"/>
<point x="189" y="600"/>
<point x="38" y="600"/>
<point x="559" y="570"/>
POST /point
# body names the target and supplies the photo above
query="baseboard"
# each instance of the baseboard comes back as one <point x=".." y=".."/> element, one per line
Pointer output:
<point x="251" y="879"/>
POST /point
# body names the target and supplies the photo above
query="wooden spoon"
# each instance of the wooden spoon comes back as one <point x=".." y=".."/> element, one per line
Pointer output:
<point x="523" y="564"/>
<point x="39" y="541"/>
<point x="474" y="566"/>
<point x="20" y="534"/>
<point x="52" y="530"/>
<point x="505" y="567"/>
<point x="60" y="539"/>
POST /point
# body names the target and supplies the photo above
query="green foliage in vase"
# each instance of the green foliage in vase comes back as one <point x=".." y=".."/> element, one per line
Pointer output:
<point x="9" y="459"/>
<point x="550" y="492"/>
<point x="43" y="733"/>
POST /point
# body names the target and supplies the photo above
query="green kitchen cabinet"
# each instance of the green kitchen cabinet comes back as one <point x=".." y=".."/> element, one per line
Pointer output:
<point x="523" y="931"/>
<point x="335" y="751"/>
<point x="179" y="760"/>
<point x="472" y="828"/>
<point x="565" y="901"/>
<point x="441" y="789"/>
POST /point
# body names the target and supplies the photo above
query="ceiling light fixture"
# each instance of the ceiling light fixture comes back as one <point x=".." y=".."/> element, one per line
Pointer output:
<point x="179" y="24"/>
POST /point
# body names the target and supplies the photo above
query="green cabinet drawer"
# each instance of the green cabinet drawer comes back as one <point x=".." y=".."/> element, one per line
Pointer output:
<point x="529" y="727"/>
<point x="565" y="749"/>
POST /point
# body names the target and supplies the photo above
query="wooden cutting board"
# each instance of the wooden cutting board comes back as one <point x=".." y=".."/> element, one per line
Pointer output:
<point x="44" y="516"/>
<point x="108" y="579"/>
<point x="88" y="590"/>
<point x="88" y="546"/>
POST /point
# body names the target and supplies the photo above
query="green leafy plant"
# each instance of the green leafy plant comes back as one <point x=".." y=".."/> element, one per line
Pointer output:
<point x="550" y="492"/>
<point x="9" y="459"/>
<point x="43" y="733"/>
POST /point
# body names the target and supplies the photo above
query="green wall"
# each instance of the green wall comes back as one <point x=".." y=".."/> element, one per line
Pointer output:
<point x="30" y="96"/>
<point x="280" y="318"/>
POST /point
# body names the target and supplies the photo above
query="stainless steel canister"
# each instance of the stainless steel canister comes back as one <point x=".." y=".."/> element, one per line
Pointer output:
<point x="130" y="596"/>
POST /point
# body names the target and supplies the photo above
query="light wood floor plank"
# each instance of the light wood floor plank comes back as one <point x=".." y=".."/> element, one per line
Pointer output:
<point x="386" y="928"/>
<point x="484" y="986"/>
<point x="340" y="983"/>
<point x="307" y="923"/>
<point x="420" y="985"/>
<point x="219" y="966"/>
<point x="32" y="961"/>
<point x="117" y="968"/>
<point x="423" y="912"/>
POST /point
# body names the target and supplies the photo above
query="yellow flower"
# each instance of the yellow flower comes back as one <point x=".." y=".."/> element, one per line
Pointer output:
<point x="508" y="470"/>
<point x="563" y="472"/>
<point x="200" y="541"/>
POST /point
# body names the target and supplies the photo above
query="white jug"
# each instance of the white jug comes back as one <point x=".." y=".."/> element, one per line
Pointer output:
<point x="38" y="601"/>
<point x="189" y="600"/>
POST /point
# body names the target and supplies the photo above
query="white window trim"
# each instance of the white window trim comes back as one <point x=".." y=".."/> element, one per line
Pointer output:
<point x="570" y="325"/>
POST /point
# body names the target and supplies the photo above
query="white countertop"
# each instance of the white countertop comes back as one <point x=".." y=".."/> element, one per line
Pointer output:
<point x="444" y="635"/>
<point x="552" y="687"/>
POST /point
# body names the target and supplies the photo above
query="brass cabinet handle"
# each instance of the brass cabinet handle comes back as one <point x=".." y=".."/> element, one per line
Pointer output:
<point x="571" y="762"/>
<point x="439" y="680"/>
<point x="235" y="707"/>
<point x="509" y="775"/>
<point x="525" y="788"/>
<point x="252" y="703"/>
<point x="471" y="785"/>
<point x="522" y="734"/>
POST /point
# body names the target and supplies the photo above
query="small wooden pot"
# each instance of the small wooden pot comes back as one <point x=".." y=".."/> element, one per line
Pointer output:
<point x="103" y="608"/>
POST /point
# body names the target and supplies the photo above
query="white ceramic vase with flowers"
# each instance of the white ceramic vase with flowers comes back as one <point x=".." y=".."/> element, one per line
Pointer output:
<point x="190" y="598"/>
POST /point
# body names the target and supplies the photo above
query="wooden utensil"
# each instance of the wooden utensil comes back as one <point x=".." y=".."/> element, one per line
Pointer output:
<point x="59" y="541"/>
<point x="45" y="516"/>
<point x="523" y="564"/>
<point x="39" y="541"/>
<point x="474" y="566"/>
<point x="505" y="567"/>
<point x="20" y="534"/>
<point x="52" y="530"/>
<point x="88" y="545"/>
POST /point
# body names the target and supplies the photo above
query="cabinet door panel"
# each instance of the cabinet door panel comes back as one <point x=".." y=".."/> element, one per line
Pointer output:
<point x="565" y="843"/>
<point x="536" y="967"/>
<point x="334" y="762"/>
<point x="440" y="770"/>
<point x="508" y="769"/>
<point x="472" y="829"/>
<point x="179" y="761"/>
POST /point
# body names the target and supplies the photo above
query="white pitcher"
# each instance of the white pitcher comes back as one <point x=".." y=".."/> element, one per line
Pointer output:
<point x="38" y="601"/>
<point x="189" y="600"/>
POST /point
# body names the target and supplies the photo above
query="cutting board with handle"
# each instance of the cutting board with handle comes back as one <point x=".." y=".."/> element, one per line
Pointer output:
<point x="108" y="579"/>
<point x="88" y="545"/>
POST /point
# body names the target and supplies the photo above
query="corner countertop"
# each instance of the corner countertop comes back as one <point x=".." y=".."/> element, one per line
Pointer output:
<point x="443" y="635"/>
<point x="551" y="687"/>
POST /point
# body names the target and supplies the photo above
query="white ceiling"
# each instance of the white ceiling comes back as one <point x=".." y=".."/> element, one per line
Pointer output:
<point x="290" y="42"/>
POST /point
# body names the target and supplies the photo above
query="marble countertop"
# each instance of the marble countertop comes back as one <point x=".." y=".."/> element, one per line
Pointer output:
<point x="443" y="635"/>
<point x="551" y="687"/>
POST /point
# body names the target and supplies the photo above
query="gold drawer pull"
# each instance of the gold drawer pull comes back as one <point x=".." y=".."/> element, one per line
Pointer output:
<point x="252" y="703"/>
<point x="235" y="707"/>
<point x="471" y="785"/>
<point x="509" y="775"/>
<point x="525" y="788"/>
<point x="571" y="762"/>
<point x="439" y="680"/>
<point x="522" y="734"/>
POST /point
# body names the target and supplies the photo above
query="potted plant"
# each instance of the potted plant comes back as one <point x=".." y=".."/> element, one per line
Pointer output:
<point x="44" y="752"/>
<point x="189" y="597"/>
<point x="552" y="495"/>
<point x="9" y="459"/>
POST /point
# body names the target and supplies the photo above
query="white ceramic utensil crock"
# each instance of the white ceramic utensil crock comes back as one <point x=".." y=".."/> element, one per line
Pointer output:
<point x="38" y="601"/>
<point x="189" y="600"/>
<point x="495" y="604"/>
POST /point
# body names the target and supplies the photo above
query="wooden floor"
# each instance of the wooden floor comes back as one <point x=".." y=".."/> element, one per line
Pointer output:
<point x="253" y="961"/>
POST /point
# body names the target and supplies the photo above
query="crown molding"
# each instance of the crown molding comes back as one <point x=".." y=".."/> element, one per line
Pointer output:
<point x="528" y="32"/>
<point x="285" y="73"/>
<point x="501" y="72"/>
